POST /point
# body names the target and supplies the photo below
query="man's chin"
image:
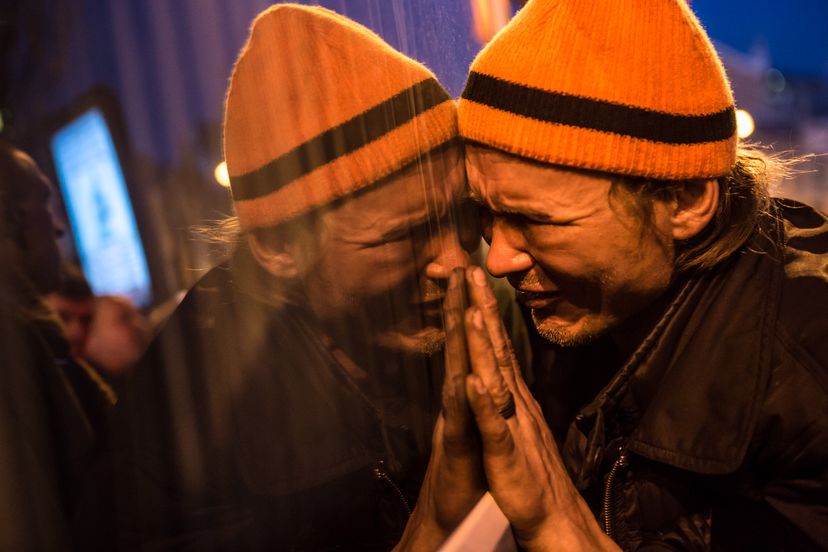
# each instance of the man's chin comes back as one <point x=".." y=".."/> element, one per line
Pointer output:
<point x="426" y="341"/>
<point x="565" y="333"/>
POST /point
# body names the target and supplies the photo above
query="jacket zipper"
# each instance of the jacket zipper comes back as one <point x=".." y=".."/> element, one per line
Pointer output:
<point x="381" y="474"/>
<point x="609" y="513"/>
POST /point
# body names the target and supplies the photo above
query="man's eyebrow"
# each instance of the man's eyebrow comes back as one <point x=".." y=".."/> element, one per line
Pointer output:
<point x="422" y="219"/>
<point x="437" y="213"/>
<point x="504" y="210"/>
<point x="403" y="229"/>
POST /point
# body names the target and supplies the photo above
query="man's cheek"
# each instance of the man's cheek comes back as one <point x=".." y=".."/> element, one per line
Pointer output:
<point x="393" y="280"/>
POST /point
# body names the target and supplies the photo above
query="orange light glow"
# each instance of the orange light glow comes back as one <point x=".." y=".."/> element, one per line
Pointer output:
<point x="221" y="175"/>
<point x="488" y="17"/>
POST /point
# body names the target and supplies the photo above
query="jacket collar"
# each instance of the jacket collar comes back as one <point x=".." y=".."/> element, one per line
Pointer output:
<point x="699" y="387"/>
<point x="690" y="395"/>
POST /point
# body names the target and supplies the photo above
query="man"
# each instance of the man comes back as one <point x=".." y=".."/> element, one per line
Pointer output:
<point x="286" y="404"/>
<point x="29" y="227"/>
<point x="74" y="303"/>
<point x="118" y="337"/>
<point x="685" y="310"/>
<point x="46" y="434"/>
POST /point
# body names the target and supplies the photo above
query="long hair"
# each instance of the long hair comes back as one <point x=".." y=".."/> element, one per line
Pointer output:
<point x="744" y="199"/>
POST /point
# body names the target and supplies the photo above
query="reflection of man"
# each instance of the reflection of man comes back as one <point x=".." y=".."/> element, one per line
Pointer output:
<point x="686" y="309"/>
<point x="276" y="410"/>
<point x="45" y="432"/>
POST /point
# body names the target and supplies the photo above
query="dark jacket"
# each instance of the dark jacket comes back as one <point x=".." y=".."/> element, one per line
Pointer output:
<point x="240" y="430"/>
<point x="50" y="410"/>
<point x="714" y="434"/>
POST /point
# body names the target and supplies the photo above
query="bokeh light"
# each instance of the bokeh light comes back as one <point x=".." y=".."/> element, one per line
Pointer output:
<point x="744" y="123"/>
<point x="221" y="174"/>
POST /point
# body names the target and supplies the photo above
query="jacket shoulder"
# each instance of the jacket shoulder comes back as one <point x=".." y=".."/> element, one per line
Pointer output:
<point x="803" y="309"/>
<point x="789" y="451"/>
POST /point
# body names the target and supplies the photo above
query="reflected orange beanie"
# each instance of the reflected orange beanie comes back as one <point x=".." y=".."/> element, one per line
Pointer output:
<point x="625" y="86"/>
<point x="319" y="107"/>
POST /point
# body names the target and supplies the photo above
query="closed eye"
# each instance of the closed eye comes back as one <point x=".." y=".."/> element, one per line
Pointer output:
<point x="522" y="219"/>
<point x="519" y="216"/>
<point x="396" y="235"/>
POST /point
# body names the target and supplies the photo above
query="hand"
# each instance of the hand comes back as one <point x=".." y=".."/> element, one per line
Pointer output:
<point x="525" y="473"/>
<point x="454" y="481"/>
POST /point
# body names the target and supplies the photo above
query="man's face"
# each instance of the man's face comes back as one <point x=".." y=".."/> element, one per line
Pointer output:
<point x="75" y="318"/>
<point x="117" y="337"/>
<point x="387" y="252"/>
<point x="36" y="246"/>
<point x="577" y="257"/>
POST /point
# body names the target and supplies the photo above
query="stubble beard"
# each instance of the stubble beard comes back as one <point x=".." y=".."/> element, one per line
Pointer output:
<point x="557" y="335"/>
<point x="426" y="344"/>
<point x="564" y="337"/>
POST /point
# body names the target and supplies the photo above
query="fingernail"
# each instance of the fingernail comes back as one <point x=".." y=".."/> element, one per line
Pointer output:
<point x="452" y="282"/>
<point x="477" y="319"/>
<point x="479" y="386"/>
<point x="479" y="276"/>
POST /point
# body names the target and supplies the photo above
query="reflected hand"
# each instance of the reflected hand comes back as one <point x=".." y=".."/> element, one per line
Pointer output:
<point x="454" y="481"/>
<point x="525" y="472"/>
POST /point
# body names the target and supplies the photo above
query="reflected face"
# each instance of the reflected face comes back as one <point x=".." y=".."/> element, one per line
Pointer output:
<point x="37" y="248"/>
<point x="75" y="319"/>
<point x="577" y="259"/>
<point x="388" y="251"/>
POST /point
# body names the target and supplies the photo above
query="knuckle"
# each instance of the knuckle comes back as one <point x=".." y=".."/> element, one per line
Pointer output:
<point x="501" y="393"/>
<point x="503" y="352"/>
<point x="501" y="442"/>
<point x="489" y="302"/>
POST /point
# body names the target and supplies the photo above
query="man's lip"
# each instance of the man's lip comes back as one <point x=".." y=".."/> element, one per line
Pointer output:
<point x="432" y="306"/>
<point x="535" y="299"/>
<point x="432" y="300"/>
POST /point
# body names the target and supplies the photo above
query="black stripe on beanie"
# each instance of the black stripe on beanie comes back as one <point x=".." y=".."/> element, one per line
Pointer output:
<point x="340" y="140"/>
<point x="577" y="111"/>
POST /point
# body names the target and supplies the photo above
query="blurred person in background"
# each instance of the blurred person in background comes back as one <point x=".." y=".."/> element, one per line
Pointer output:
<point x="684" y="406"/>
<point x="118" y="336"/>
<point x="46" y="430"/>
<point x="288" y="402"/>
<point x="74" y="303"/>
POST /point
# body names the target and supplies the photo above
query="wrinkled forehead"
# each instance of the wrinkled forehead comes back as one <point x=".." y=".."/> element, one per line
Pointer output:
<point x="424" y="189"/>
<point x="497" y="177"/>
<point x="485" y="163"/>
<point x="493" y="173"/>
<point x="438" y="177"/>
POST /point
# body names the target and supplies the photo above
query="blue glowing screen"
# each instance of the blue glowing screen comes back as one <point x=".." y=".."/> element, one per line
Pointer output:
<point x="100" y="212"/>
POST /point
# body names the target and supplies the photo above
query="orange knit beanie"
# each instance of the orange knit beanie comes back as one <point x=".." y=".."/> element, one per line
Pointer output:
<point x="319" y="107"/>
<point x="625" y="86"/>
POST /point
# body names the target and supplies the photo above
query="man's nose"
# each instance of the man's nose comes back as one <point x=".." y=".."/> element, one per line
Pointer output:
<point x="447" y="254"/>
<point x="506" y="253"/>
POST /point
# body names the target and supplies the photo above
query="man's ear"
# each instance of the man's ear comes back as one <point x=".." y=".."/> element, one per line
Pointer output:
<point x="277" y="258"/>
<point x="695" y="205"/>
